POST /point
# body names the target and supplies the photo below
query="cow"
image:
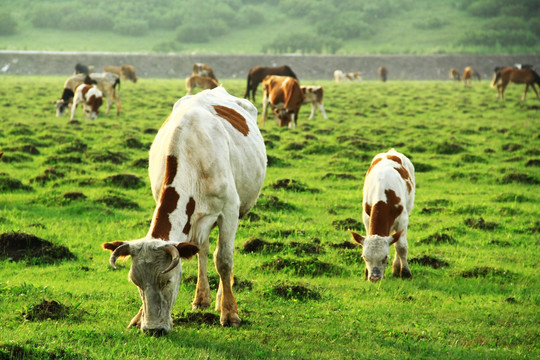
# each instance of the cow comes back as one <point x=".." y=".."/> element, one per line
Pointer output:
<point x="106" y="82"/>
<point x="454" y="74"/>
<point x="91" y="99"/>
<point x="204" y="71"/>
<point x="340" y="76"/>
<point x="383" y="73"/>
<point x="388" y="199"/>
<point x="313" y="95"/>
<point x="284" y="95"/>
<point x="526" y="76"/>
<point x="201" y="82"/>
<point x="124" y="71"/>
<point x="207" y="166"/>
<point x="468" y="73"/>
<point x="257" y="74"/>
<point x="83" y="69"/>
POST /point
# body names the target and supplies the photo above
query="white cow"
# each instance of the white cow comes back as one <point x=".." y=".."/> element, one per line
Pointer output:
<point x="313" y="95"/>
<point x="91" y="99"/>
<point x="388" y="200"/>
<point x="207" y="166"/>
<point x="340" y="76"/>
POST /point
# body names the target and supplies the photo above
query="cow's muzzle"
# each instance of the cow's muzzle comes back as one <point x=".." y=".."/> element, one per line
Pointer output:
<point x="157" y="332"/>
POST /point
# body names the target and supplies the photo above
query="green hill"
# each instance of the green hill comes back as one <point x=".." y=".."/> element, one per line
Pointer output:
<point x="274" y="26"/>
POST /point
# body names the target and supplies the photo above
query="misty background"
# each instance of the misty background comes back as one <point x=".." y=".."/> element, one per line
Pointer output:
<point x="342" y="27"/>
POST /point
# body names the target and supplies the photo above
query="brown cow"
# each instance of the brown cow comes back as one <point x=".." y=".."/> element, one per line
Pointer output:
<point x="383" y="73"/>
<point x="258" y="73"/>
<point x="526" y="76"/>
<point x="454" y="74"/>
<point x="201" y="82"/>
<point x="124" y="71"/>
<point x="285" y="96"/>
<point x="204" y="71"/>
<point x="468" y="73"/>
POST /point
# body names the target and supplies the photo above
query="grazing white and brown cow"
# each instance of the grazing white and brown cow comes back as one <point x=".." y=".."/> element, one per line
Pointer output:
<point x="201" y="82"/>
<point x="91" y="99"/>
<point x="388" y="200"/>
<point x="106" y="82"/>
<point x="313" y="95"/>
<point x="340" y="76"/>
<point x="204" y="71"/>
<point x="124" y="71"/>
<point x="207" y="166"/>
<point x="468" y="73"/>
<point x="285" y="97"/>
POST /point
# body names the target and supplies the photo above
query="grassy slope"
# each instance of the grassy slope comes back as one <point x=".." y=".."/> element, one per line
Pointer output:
<point x="441" y="312"/>
<point x="396" y="34"/>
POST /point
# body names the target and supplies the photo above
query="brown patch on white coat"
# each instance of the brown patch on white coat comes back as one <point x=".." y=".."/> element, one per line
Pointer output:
<point x="313" y="95"/>
<point x="207" y="166"/>
<point x="285" y="97"/>
<point x="388" y="199"/>
<point x="91" y="99"/>
<point x="201" y="82"/>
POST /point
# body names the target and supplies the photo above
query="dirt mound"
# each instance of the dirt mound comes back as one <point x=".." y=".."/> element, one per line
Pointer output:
<point x="480" y="223"/>
<point x="427" y="260"/>
<point x="259" y="245"/>
<point x="126" y="181"/>
<point x="46" y="310"/>
<point x="438" y="238"/>
<point x="298" y="292"/>
<point x="197" y="318"/>
<point x="30" y="248"/>
<point x="345" y="224"/>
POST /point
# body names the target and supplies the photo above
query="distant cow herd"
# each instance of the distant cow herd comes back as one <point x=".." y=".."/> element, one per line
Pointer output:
<point x="207" y="165"/>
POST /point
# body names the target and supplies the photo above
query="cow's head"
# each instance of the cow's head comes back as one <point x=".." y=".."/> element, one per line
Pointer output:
<point x="61" y="107"/>
<point x="156" y="269"/>
<point x="375" y="252"/>
<point x="285" y="117"/>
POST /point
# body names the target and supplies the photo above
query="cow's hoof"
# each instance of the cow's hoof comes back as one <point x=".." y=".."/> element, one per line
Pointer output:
<point x="232" y="320"/>
<point x="200" y="306"/>
<point x="406" y="274"/>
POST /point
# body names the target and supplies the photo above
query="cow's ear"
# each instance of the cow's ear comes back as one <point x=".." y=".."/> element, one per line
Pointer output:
<point x="357" y="237"/>
<point x="396" y="237"/>
<point x="187" y="250"/>
<point x="112" y="245"/>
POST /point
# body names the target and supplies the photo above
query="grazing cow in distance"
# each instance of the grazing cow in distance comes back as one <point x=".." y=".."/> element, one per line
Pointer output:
<point x="454" y="74"/>
<point x="388" y="198"/>
<point x="468" y="73"/>
<point x="106" y="82"/>
<point x="285" y="97"/>
<point x="83" y="69"/>
<point x="201" y="82"/>
<point x="204" y="71"/>
<point x="91" y="99"/>
<point x="124" y="71"/>
<point x="383" y="73"/>
<point x="258" y="73"/>
<point x="340" y="76"/>
<point x="207" y="166"/>
<point x="526" y="76"/>
<point x="313" y="95"/>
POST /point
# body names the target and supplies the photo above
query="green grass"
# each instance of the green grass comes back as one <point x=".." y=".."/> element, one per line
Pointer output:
<point x="476" y="214"/>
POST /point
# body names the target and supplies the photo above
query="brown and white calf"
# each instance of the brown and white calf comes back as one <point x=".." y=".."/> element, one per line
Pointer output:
<point x="91" y="99"/>
<point x="204" y="71"/>
<point x="201" y="82"/>
<point x="285" y="97"/>
<point x="106" y="82"/>
<point x="124" y="71"/>
<point x="340" y="76"/>
<point x="207" y="166"/>
<point x="313" y="95"/>
<point x="388" y="201"/>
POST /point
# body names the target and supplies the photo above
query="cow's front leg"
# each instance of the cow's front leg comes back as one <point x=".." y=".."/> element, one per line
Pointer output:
<point x="312" y="112"/>
<point x="400" y="267"/>
<point x="202" y="293"/>
<point x="136" y="321"/>
<point x="223" y="258"/>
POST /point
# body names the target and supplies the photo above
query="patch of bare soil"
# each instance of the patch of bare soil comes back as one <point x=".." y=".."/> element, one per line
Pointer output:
<point x="46" y="310"/>
<point x="30" y="248"/>
<point x="481" y="224"/>
<point x="260" y="245"/>
<point x="438" y="238"/>
<point x="298" y="292"/>
<point x="345" y="224"/>
<point x="8" y="183"/>
<point x="126" y="181"/>
<point x="430" y="261"/>
<point x="196" y="318"/>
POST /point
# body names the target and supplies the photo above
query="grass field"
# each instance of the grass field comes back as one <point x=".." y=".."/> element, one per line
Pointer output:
<point x="473" y="235"/>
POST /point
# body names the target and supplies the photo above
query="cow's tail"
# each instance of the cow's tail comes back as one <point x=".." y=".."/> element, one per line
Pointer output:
<point x="116" y="85"/>
<point x="536" y="77"/>
<point x="246" y="95"/>
<point x="496" y="79"/>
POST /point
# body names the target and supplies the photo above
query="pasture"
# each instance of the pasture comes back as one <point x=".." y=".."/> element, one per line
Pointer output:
<point x="473" y="234"/>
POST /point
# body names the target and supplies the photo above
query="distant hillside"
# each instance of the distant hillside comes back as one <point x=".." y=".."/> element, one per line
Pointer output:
<point x="274" y="26"/>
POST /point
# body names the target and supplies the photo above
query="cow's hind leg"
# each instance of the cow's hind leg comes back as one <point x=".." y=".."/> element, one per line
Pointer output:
<point x="525" y="92"/>
<point x="223" y="258"/>
<point x="536" y="92"/>
<point x="400" y="267"/>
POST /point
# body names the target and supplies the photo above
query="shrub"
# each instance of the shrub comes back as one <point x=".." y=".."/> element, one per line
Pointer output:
<point x="8" y="25"/>
<point x="484" y="8"/>
<point x="131" y="27"/>
<point x="534" y="26"/>
<point x="304" y="43"/>
<point x="249" y="15"/>
<point x="506" y="23"/>
<point x="193" y="33"/>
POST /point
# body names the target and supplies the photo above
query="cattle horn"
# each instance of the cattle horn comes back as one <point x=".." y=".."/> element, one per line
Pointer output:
<point x="175" y="258"/>
<point x="122" y="250"/>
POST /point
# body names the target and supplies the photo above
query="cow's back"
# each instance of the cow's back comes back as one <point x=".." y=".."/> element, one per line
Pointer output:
<point x="217" y="142"/>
